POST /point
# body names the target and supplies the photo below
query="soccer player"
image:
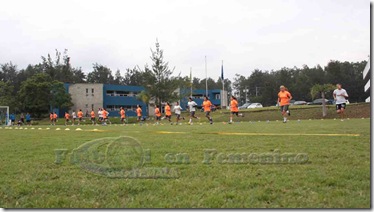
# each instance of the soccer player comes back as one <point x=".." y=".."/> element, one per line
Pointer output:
<point x="139" y="112"/>
<point x="234" y="108"/>
<point x="67" y="118"/>
<point x="100" y="113"/>
<point x="123" y="115"/>
<point x="340" y="96"/>
<point x="74" y="115"/>
<point x="28" y="119"/>
<point x="192" y="108"/>
<point x="54" y="118"/>
<point x="105" y="116"/>
<point x="93" y="117"/>
<point x="80" y="116"/>
<point x="207" y="105"/>
<point x="157" y="114"/>
<point x="178" y="110"/>
<point x="50" y="118"/>
<point x="284" y="98"/>
<point x="12" y="118"/>
<point x="168" y="112"/>
<point x="22" y="118"/>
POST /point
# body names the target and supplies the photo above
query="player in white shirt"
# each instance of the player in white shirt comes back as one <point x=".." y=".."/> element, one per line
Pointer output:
<point x="100" y="114"/>
<point x="178" y="110"/>
<point x="74" y="115"/>
<point x="192" y="108"/>
<point x="340" y="96"/>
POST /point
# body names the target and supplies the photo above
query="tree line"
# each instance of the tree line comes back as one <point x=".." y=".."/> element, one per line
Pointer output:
<point x="40" y="87"/>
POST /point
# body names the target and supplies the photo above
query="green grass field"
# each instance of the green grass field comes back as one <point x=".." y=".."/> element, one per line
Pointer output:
<point x="336" y="175"/>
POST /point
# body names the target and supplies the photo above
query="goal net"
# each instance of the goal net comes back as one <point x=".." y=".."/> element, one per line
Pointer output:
<point x="4" y="115"/>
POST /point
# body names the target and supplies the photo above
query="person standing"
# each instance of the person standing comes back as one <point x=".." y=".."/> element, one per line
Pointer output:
<point x="12" y="118"/>
<point x="22" y="118"/>
<point x="340" y="96"/>
<point x="284" y="98"/>
<point x="207" y="105"/>
<point x="234" y="108"/>
<point x="192" y="108"/>
<point x="28" y="119"/>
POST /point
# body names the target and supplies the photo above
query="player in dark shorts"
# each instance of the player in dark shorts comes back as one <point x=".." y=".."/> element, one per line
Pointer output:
<point x="207" y="105"/>
<point x="340" y="96"/>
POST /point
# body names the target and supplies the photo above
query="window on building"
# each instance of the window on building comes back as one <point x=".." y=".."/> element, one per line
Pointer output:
<point x="217" y="96"/>
<point x="92" y="91"/>
<point x="92" y="106"/>
<point x="86" y="105"/>
<point x="110" y="93"/>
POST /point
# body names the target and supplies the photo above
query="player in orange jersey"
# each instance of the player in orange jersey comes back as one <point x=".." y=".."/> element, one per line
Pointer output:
<point x="234" y="108"/>
<point x="157" y="114"/>
<point x="207" y="105"/>
<point x="67" y="118"/>
<point x="284" y="98"/>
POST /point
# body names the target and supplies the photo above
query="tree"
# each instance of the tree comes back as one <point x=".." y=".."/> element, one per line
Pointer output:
<point x="8" y="72"/>
<point x="100" y="74"/>
<point x="39" y="93"/>
<point x="59" y="98"/>
<point x="6" y="95"/>
<point x="118" y="79"/>
<point x="160" y="84"/>
<point x="34" y="94"/>
<point x="320" y="90"/>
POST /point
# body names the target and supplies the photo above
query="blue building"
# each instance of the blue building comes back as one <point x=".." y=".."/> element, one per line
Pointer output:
<point x="92" y="96"/>
<point x="215" y="96"/>
<point x="117" y="96"/>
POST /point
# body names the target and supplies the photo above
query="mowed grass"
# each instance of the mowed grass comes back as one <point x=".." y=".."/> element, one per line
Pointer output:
<point x="336" y="175"/>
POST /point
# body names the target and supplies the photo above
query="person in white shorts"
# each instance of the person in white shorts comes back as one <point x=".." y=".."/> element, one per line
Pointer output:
<point x="74" y="115"/>
<point x="340" y="96"/>
<point x="100" y="114"/>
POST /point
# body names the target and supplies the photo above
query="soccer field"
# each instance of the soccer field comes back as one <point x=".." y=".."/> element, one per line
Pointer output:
<point x="309" y="164"/>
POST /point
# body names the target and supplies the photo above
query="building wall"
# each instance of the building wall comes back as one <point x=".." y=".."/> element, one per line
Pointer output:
<point x="116" y="96"/>
<point x="198" y="96"/>
<point x="86" y="96"/>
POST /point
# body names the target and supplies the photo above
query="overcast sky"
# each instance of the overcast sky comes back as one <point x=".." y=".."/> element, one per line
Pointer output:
<point x="245" y="34"/>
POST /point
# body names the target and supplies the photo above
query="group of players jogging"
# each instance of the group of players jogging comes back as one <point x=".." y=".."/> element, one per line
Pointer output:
<point x="283" y="101"/>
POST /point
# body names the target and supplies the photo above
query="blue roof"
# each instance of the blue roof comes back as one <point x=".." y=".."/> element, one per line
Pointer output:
<point x="123" y="87"/>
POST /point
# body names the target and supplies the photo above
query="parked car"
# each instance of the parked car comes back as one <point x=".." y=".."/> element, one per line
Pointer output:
<point x="292" y="102"/>
<point x="300" y="103"/>
<point x="319" y="102"/>
<point x="255" y="105"/>
<point x="245" y="105"/>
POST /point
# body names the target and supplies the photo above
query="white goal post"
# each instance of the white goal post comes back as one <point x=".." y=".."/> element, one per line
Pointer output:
<point x="4" y="115"/>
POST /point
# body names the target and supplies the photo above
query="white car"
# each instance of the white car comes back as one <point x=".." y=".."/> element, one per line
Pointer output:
<point x="255" y="105"/>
